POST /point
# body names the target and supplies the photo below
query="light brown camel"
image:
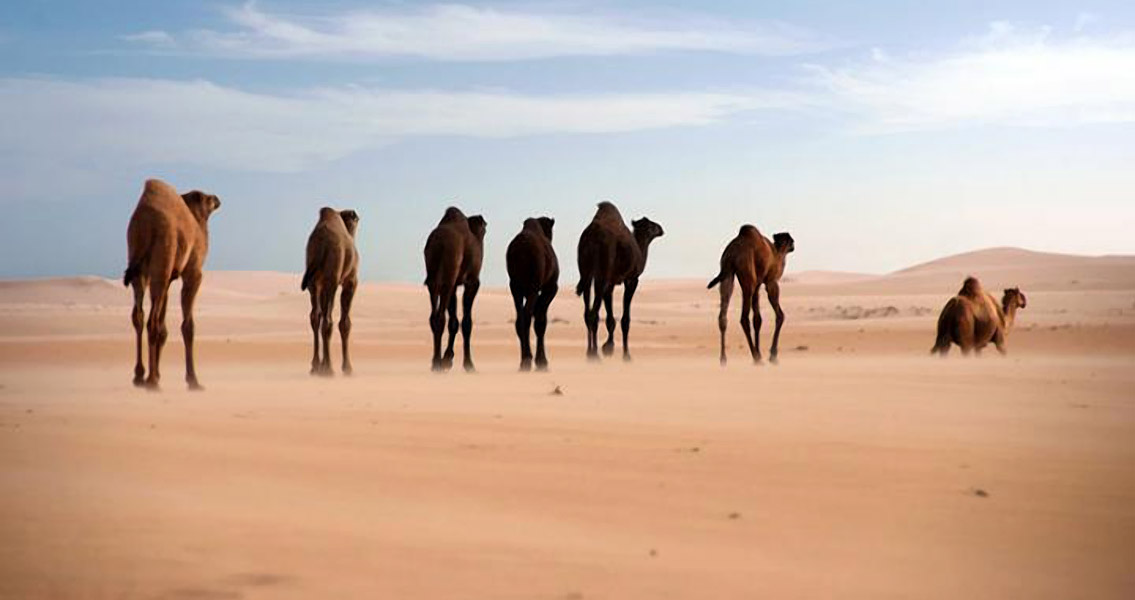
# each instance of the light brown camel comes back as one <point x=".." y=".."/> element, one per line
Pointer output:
<point x="453" y="254"/>
<point x="610" y="255"/>
<point x="533" y="279"/>
<point x="332" y="261"/>
<point x="973" y="318"/>
<point x="753" y="260"/>
<point x="168" y="238"/>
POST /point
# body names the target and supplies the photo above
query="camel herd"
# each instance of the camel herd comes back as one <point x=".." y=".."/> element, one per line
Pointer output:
<point x="168" y="238"/>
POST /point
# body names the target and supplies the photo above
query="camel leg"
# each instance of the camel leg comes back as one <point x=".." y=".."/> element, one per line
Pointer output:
<point x="773" y="291"/>
<point x="326" y="308"/>
<point x="454" y="325"/>
<point x="346" y="297"/>
<point x="467" y="321"/>
<point x="315" y="319"/>
<point x="542" y="303"/>
<point x="587" y="319"/>
<point x="439" y="300"/>
<point x="609" y="345"/>
<point x="593" y="322"/>
<point x="628" y="294"/>
<point x="999" y="342"/>
<point x="518" y="299"/>
<point x="747" y="305"/>
<point x="965" y="336"/>
<point x="156" y="328"/>
<point x="723" y="313"/>
<point x="757" y="322"/>
<point x="190" y="283"/>
<point x="138" y="319"/>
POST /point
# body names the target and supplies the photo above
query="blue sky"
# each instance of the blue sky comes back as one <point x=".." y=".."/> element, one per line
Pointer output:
<point x="879" y="133"/>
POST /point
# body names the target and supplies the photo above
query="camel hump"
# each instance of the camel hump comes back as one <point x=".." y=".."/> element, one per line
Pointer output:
<point x="327" y="212"/>
<point x="607" y="211"/>
<point x="971" y="287"/>
<point x="453" y="214"/>
<point x="748" y="231"/>
<point x="157" y="187"/>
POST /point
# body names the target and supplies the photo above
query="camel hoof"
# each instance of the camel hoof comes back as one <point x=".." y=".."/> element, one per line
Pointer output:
<point x="525" y="365"/>
<point x="195" y="387"/>
<point x="608" y="349"/>
<point x="348" y="370"/>
<point x="437" y="367"/>
<point x="724" y="361"/>
<point x="626" y="358"/>
<point x="774" y="360"/>
<point x="469" y="368"/>
<point x="139" y="382"/>
<point x="153" y="386"/>
<point x="592" y="356"/>
<point x="541" y="364"/>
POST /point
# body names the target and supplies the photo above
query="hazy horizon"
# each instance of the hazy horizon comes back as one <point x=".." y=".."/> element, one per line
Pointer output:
<point x="880" y="135"/>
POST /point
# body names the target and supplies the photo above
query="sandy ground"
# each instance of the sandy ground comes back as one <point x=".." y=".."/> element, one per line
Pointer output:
<point x="857" y="468"/>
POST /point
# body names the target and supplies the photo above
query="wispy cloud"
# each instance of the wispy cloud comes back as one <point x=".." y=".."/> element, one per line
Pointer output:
<point x="1010" y="76"/>
<point x="456" y="32"/>
<point x="154" y="38"/>
<point x="147" y="121"/>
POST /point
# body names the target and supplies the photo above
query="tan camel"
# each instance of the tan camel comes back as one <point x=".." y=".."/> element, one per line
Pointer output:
<point x="453" y="254"/>
<point x="332" y="261"/>
<point x="533" y="279"/>
<point x="609" y="254"/>
<point x="973" y="318"/>
<point x="753" y="260"/>
<point x="168" y="238"/>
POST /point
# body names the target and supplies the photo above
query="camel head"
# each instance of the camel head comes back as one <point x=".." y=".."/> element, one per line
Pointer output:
<point x="546" y="224"/>
<point x="1013" y="298"/>
<point x="784" y="242"/>
<point x="646" y="230"/>
<point x="351" y="220"/>
<point x="478" y="225"/>
<point x="201" y="204"/>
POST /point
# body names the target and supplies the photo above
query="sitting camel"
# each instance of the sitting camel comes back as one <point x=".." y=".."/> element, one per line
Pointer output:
<point x="533" y="274"/>
<point x="453" y="255"/>
<point x="332" y="261"/>
<point x="168" y="237"/>
<point x="973" y="318"/>
<point x="753" y="260"/>
<point x="610" y="255"/>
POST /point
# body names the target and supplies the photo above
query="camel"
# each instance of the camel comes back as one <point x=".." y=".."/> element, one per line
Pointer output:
<point x="533" y="273"/>
<point x="753" y="260"/>
<point x="332" y="261"/>
<point x="168" y="238"/>
<point x="453" y="255"/>
<point x="609" y="254"/>
<point x="973" y="318"/>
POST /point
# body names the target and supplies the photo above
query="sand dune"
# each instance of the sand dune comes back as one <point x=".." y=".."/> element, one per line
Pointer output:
<point x="858" y="468"/>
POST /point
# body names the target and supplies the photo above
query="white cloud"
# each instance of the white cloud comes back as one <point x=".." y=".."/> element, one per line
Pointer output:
<point x="1008" y="77"/>
<point x="154" y="38"/>
<point x="147" y="121"/>
<point x="455" y="32"/>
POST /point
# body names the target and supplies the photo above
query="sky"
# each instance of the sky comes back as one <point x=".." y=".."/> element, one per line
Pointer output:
<point x="879" y="133"/>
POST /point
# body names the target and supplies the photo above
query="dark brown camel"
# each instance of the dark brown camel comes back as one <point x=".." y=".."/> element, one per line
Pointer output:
<point x="610" y="255"/>
<point x="453" y="255"/>
<point x="533" y="279"/>
<point x="332" y="261"/>
<point x="168" y="238"/>
<point x="973" y="318"/>
<point x="753" y="260"/>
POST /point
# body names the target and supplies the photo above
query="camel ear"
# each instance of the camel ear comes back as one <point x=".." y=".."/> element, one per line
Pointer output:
<point x="215" y="201"/>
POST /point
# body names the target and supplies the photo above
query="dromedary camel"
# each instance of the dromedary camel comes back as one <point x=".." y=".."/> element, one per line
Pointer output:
<point x="453" y="255"/>
<point x="168" y="238"/>
<point x="753" y="260"/>
<point x="973" y="318"/>
<point x="332" y="261"/>
<point x="533" y="279"/>
<point x="610" y="255"/>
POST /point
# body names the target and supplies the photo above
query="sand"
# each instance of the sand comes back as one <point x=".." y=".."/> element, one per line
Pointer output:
<point x="859" y="467"/>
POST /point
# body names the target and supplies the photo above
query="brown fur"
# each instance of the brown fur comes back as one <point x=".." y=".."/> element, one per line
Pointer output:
<point x="453" y="254"/>
<point x="332" y="261"/>
<point x="609" y="254"/>
<point x="168" y="238"/>
<point x="753" y="260"/>
<point x="533" y="274"/>
<point x="973" y="319"/>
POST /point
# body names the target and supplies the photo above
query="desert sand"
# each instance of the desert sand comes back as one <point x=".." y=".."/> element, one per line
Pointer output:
<point x="860" y="467"/>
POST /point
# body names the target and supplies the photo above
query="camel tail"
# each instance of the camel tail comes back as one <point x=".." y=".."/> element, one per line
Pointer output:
<point x="306" y="281"/>
<point x="131" y="273"/>
<point x="942" y="342"/>
<point x="582" y="285"/>
<point x="715" y="281"/>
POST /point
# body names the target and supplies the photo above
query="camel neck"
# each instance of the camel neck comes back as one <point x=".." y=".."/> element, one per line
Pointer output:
<point x="644" y="248"/>
<point x="1010" y="317"/>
